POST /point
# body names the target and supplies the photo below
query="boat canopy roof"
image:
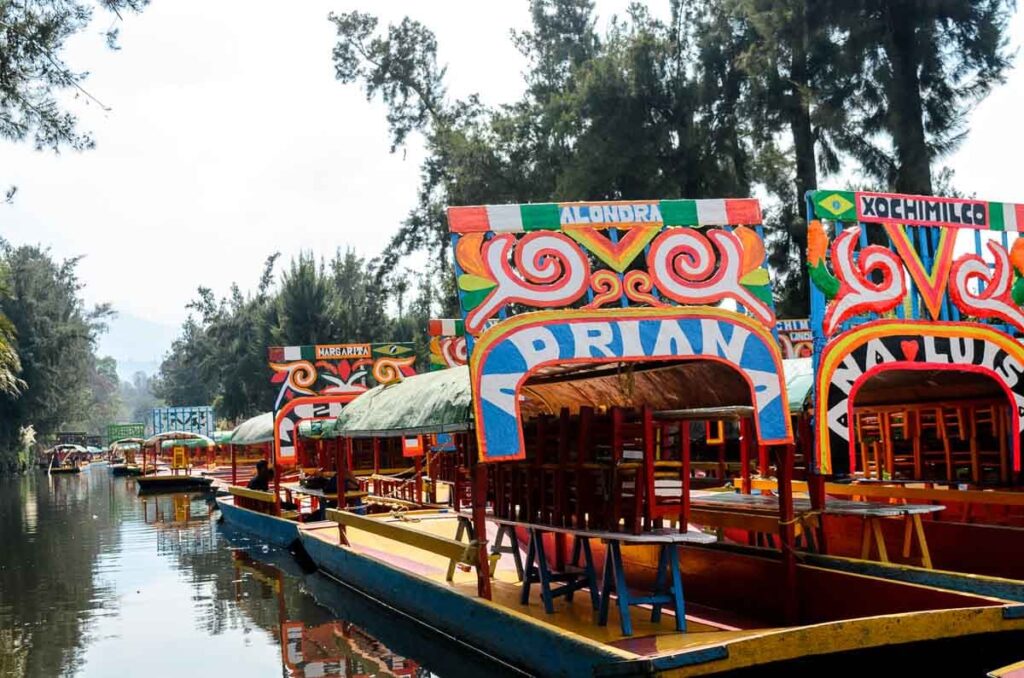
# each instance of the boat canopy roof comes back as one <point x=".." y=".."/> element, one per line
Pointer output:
<point x="260" y="429"/>
<point x="67" y="447"/>
<point x="318" y="428"/>
<point x="441" y="401"/>
<point x="223" y="437"/>
<point x="255" y="430"/>
<point x="799" y="382"/>
<point x="434" y="402"/>
<point x="190" y="443"/>
<point x="178" y="436"/>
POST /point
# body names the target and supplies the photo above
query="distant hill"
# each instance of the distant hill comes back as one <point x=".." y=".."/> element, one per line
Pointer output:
<point x="136" y="344"/>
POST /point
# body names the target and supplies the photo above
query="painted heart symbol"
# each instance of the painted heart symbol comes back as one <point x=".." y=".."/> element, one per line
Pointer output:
<point x="909" y="349"/>
<point x="344" y="369"/>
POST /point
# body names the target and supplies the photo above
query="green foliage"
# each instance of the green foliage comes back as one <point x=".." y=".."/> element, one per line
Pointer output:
<point x="63" y="381"/>
<point x="33" y="74"/>
<point x="924" y="65"/>
<point x="10" y="364"/>
<point x="221" y="356"/>
<point x="728" y="98"/>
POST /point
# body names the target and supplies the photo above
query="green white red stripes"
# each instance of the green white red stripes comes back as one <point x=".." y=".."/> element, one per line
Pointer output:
<point x="1006" y="216"/>
<point x="559" y="216"/>
<point x="446" y="327"/>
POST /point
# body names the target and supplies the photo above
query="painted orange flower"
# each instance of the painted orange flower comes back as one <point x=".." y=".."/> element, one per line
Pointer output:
<point x="817" y="242"/>
<point x="1017" y="255"/>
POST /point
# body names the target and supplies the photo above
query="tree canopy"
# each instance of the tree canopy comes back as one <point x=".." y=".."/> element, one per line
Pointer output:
<point x="220" y="357"/>
<point x="62" y="383"/>
<point x="33" y="72"/>
<point x="725" y="98"/>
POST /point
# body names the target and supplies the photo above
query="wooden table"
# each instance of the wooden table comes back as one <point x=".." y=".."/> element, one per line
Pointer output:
<point x="578" y="575"/>
<point x="870" y="512"/>
<point x="319" y="495"/>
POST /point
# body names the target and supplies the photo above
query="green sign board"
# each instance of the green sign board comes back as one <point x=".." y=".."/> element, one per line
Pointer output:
<point x="119" y="431"/>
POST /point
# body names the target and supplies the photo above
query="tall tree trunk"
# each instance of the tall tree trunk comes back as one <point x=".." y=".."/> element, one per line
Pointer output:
<point x="906" y="112"/>
<point x="803" y="142"/>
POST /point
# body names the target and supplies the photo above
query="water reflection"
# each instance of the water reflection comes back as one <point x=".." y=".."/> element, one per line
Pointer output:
<point x="96" y="581"/>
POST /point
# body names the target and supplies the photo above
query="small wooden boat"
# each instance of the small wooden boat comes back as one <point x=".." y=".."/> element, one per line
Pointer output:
<point x="172" y="483"/>
<point x="734" y="607"/>
<point x="1015" y="670"/>
<point x="66" y="458"/>
<point x="123" y="453"/>
<point x="179" y="476"/>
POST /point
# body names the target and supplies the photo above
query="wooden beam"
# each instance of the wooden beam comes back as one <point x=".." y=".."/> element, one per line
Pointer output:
<point x="442" y="546"/>
<point x="994" y="497"/>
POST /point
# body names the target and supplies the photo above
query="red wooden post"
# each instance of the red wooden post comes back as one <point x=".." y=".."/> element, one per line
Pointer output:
<point x="418" y="489"/>
<point x="762" y="460"/>
<point x="339" y="475"/>
<point x="816" y="490"/>
<point x="639" y="486"/>
<point x="787" y="537"/>
<point x="684" y="471"/>
<point x="479" y="502"/>
<point x="277" y="471"/>
<point x="746" y="442"/>
<point x="234" y="464"/>
<point x="722" y="468"/>
<point x="376" y="455"/>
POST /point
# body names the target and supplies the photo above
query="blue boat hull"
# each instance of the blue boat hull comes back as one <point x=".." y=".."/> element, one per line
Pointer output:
<point x="271" y="529"/>
<point x="494" y="630"/>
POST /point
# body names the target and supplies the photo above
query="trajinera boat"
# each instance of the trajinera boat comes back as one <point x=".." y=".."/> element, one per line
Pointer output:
<point x="606" y="341"/>
<point x="178" y="474"/>
<point x="314" y="383"/>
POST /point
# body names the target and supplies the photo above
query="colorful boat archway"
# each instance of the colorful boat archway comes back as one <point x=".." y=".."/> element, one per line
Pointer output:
<point x="316" y="381"/>
<point x="943" y="294"/>
<point x="635" y="282"/>
<point x="504" y="358"/>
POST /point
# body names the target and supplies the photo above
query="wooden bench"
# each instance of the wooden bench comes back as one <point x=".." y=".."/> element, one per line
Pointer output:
<point x="258" y="500"/>
<point x="455" y="551"/>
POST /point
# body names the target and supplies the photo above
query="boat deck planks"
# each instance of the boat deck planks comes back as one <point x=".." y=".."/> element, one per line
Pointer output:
<point x="577" y="617"/>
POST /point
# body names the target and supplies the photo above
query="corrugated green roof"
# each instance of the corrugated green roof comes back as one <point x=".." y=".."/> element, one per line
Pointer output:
<point x="180" y="436"/>
<point x="259" y="429"/>
<point x="435" y="402"/>
<point x="190" y="442"/>
<point x="799" y="381"/>
<point x="440" y="402"/>
<point x="321" y="428"/>
<point x="222" y="437"/>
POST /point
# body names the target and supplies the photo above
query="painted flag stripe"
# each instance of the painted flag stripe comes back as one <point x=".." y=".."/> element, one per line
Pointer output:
<point x="505" y="218"/>
<point x="468" y="220"/>
<point x="711" y="213"/>
<point x="743" y="212"/>
<point x="446" y="327"/>
<point x="547" y="216"/>
<point x="540" y="217"/>
<point x="293" y="353"/>
<point x="998" y="214"/>
<point x="1018" y="217"/>
<point x="679" y="212"/>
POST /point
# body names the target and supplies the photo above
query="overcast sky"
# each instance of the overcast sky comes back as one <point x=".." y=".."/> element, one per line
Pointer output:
<point x="229" y="138"/>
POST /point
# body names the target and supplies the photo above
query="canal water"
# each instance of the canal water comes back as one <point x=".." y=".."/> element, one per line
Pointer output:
<point x="97" y="581"/>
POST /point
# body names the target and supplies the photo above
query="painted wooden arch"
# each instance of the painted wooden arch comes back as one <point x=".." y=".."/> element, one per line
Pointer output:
<point x="507" y="354"/>
<point x="852" y="358"/>
<point x="315" y="382"/>
<point x="293" y="413"/>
